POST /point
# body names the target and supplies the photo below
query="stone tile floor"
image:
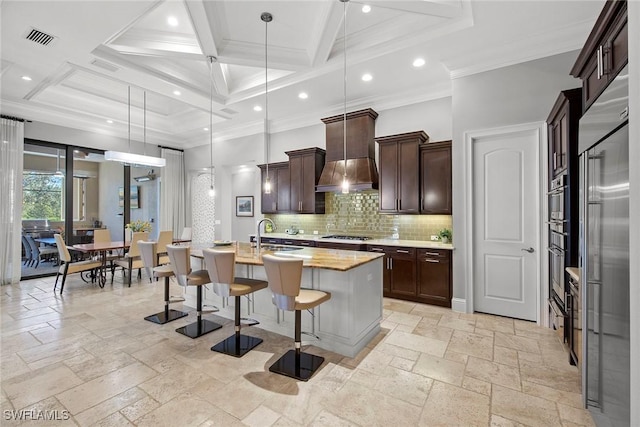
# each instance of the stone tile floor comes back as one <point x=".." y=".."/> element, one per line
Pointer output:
<point x="89" y="352"/>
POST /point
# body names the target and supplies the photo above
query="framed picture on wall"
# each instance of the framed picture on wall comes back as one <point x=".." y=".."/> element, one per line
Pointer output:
<point x="244" y="205"/>
<point x="134" y="197"/>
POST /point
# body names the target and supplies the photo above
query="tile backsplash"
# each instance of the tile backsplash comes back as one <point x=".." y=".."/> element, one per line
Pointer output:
<point x="357" y="214"/>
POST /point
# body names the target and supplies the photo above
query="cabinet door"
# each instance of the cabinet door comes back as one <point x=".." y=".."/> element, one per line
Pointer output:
<point x="434" y="278"/>
<point x="408" y="177"/>
<point x="308" y="185"/>
<point x="295" y="185"/>
<point x="269" y="201"/>
<point x="617" y="48"/>
<point x="435" y="170"/>
<point x="282" y="198"/>
<point x="388" y="181"/>
<point x="403" y="275"/>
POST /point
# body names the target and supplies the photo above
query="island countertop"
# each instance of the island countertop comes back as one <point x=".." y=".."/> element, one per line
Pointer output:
<point x="330" y="259"/>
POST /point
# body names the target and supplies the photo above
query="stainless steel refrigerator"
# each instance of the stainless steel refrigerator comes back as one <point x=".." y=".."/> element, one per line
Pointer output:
<point x="604" y="254"/>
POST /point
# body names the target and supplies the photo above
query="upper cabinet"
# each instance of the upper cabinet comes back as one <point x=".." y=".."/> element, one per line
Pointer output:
<point x="279" y="200"/>
<point x="435" y="178"/>
<point x="605" y="52"/>
<point x="305" y="167"/>
<point x="400" y="172"/>
<point x="563" y="130"/>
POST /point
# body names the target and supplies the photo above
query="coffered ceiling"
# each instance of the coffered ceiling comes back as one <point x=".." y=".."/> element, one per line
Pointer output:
<point x="99" y="48"/>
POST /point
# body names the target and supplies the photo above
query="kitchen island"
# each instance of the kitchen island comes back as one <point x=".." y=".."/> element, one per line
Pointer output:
<point x="344" y="324"/>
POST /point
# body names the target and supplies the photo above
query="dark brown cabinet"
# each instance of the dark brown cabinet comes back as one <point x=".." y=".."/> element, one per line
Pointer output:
<point x="399" y="275"/>
<point x="605" y="52"/>
<point x="434" y="276"/>
<point x="400" y="172"/>
<point x="562" y="130"/>
<point x="435" y="178"/>
<point x="298" y="242"/>
<point x="279" y="200"/>
<point x="305" y="167"/>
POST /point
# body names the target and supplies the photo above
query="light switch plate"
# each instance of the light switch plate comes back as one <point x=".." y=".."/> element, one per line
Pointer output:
<point x="315" y="232"/>
<point x="301" y="231"/>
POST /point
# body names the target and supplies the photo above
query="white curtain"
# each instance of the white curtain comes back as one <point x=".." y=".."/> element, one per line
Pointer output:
<point x="11" y="149"/>
<point x="172" y="193"/>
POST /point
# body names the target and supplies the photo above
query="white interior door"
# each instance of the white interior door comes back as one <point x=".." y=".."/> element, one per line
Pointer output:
<point x="505" y="224"/>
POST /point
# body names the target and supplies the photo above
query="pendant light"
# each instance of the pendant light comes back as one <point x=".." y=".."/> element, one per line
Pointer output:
<point x="212" y="191"/>
<point x="130" y="158"/>
<point x="266" y="17"/>
<point x="345" y="181"/>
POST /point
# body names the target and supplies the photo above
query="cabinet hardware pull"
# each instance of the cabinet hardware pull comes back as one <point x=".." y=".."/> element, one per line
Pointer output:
<point x="432" y="253"/>
<point x="431" y="260"/>
<point x="402" y="251"/>
<point x="391" y="263"/>
<point x="599" y="61"/>
<point x="377" y="249"/>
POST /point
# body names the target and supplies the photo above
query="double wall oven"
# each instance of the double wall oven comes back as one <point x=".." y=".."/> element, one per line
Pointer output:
<point x="557" y="243"/>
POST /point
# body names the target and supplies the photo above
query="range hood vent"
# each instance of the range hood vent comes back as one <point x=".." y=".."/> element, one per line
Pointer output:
<point x="361" y="165"/>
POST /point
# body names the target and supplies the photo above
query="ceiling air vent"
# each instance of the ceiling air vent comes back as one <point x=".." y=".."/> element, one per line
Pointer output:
<point x="39" y="37"/>
<point x="229" y="111"/>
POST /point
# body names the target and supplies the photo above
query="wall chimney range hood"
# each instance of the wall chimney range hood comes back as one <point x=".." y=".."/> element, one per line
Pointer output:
<point x="361" y="164"/>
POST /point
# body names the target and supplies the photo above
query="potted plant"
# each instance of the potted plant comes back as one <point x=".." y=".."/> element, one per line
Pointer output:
<point x="445" y="235"/>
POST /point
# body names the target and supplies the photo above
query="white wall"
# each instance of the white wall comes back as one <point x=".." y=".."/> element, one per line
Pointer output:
<point x="522" y="93"/>
<point x="244" y="183"/>
<point x="634" y="203"/>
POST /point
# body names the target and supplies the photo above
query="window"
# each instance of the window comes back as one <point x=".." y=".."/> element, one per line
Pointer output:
<point x="43" y="196"/>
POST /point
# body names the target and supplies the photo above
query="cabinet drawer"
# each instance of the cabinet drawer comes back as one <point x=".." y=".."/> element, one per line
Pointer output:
<point x="402" y="252"/>
<point x="441" y="254"/>
<point x="271" y="240"/>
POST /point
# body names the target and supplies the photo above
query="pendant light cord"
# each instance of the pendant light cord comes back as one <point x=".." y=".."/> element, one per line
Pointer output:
<point x="144" y="121"/>
<point x="266" y="17"/>
<point x="211" y="59"/>
<point x="344" y="119"/>
<point x="129" y="114"/>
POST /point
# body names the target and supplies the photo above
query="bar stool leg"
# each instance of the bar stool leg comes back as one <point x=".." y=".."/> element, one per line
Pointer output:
<point x="200" y="326"/>
<point x="168" y="315"/>
<point x="237" y="345"/>
<point x="295" y="363"/>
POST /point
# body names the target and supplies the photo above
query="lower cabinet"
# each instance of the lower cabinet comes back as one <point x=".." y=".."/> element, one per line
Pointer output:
<point x="434" y="276"/>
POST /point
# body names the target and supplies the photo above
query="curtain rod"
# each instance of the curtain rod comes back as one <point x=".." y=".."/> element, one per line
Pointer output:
<point x="17" y="119"/>
<point x="171" y="148"/>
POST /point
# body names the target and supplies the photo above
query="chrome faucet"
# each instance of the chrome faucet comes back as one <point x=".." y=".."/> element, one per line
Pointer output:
<point x="258" y="238"/>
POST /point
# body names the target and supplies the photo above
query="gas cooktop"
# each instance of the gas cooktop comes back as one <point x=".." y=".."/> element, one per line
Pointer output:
<point x="342" y="237"/>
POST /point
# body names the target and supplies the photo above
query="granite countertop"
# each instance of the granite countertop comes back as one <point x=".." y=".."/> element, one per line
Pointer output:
<point x="330" y="259"/>
<point x="383" y="241"/>
<point x="574" y="272"/>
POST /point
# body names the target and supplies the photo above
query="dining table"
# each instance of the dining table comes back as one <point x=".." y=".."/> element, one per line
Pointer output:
<point x="101" y="249"/>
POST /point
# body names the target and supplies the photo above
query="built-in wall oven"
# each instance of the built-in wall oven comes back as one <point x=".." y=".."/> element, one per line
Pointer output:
<point x="557" y="243"/>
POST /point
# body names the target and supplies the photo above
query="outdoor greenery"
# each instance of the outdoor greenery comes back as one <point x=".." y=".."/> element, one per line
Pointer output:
<point x="42" y="196"/>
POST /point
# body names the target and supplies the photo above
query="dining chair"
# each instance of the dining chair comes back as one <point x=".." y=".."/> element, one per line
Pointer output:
<point x="68" y="267"/>
<point x="180" y="262"/>
<point x="221" y="267"/>
<point x="131" y="260"/>
<point x="103" y="235"/>
<point x="186" y="233"/>
<point x="164" y="238"/>
<point x="284" y="276"/>
<point x="149" y="256"/>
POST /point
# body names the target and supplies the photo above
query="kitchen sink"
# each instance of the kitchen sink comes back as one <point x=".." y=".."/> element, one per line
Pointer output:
<point x="280" y="248"/>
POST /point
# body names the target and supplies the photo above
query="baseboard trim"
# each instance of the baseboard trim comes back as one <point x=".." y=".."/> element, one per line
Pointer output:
<point x="459" y="305"/>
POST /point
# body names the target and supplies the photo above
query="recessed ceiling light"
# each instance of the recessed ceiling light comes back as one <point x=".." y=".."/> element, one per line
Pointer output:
<point x="257" y="108"/>
<point x="27" y="78"/>
<point x="176" y="93"/>
<point x="366" y="8"/>
<point x="173" y="21"/>
<point x="205" y="128"/>
<point x="303" y="95"/>
<point x="109" y="121"/>
<point x="367" y="77"/>
<point x="418" y="62"/>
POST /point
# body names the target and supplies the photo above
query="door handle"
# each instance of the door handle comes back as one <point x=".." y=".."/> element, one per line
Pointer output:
<point x="530" y="250"/>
